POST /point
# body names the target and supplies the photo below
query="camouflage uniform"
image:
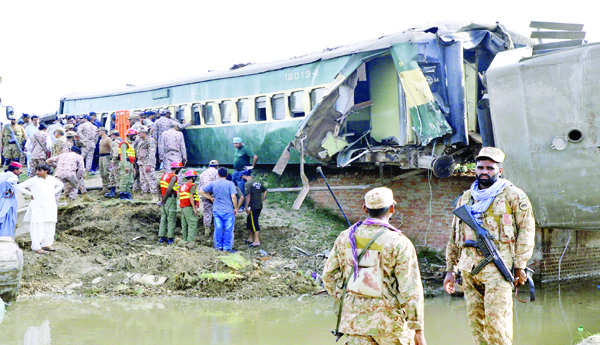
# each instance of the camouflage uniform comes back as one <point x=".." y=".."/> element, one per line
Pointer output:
<point x="61" y="146"/>
<point x="11" y="151"/>
<point x="114" y="177"/>
<point x="171" y="148"/>
<point x="209" y="175"/>
<point x="126" y="182"/>
<point x="162" y="125"/>
<point x="69" y="170"/>
<point x="145" y="153"/>
<point x="509" y="219"/>
<point x="385" y="304"/>
<point x="38" y="150"/>
<point x="89" y="136"/>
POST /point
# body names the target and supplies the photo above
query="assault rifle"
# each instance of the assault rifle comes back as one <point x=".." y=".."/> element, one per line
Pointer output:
<point x="486" y="247"/>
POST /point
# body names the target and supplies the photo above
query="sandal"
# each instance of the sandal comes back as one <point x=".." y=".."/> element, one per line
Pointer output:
<point x="40" y="251"/>
<point x="252" y="245"/>
<point x="49" y="249"/>
<point x="247" y="242"/>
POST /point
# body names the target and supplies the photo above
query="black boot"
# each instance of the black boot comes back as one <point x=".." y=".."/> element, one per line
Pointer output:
<point x="128" y="196"/>
<point x="162" y="240"/>
<point x="112" y="193"/>
<point x="123" y="196"/>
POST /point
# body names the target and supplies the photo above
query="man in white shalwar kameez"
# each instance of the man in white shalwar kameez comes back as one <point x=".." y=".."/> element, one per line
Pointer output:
<point x="42" y="211"/>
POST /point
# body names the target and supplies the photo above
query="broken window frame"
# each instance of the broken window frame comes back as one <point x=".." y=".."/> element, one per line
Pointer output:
<point x="278" y="106"/>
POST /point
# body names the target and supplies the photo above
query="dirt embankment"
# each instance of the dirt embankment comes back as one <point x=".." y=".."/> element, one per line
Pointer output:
<point x="111" y="248"/>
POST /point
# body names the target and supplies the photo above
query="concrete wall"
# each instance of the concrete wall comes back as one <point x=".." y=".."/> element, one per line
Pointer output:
<point x="430" y="226"/>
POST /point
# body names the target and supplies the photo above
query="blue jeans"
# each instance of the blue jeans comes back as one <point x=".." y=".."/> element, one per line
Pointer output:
<point x="238" y="180"/>
<point x="223" y="237"/>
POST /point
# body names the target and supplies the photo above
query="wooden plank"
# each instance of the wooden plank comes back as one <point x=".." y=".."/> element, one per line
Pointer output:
<point x="556" y="26"/>
<point x="557" y="45"/>
<point x="569" y="35"/>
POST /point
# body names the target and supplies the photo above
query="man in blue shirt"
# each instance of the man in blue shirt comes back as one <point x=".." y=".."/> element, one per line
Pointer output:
<point x="224" y="199"/>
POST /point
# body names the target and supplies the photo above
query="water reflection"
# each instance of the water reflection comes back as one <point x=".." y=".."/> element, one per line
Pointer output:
<point x="38" y="335"/>
<point x="552" y="319"/>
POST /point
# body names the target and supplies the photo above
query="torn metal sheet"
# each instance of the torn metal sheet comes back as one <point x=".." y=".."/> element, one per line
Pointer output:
<point x="428" y="121"/>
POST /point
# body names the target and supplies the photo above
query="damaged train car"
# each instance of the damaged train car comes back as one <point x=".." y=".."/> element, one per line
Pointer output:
<point x="407" y="99"/>
<point x="545" y="115"/>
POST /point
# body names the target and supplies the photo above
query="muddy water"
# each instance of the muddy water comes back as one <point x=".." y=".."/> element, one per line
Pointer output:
<point x="552" y="319"/>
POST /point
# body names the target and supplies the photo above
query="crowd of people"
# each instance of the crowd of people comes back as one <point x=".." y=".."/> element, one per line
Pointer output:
<point x="75" y="147"/>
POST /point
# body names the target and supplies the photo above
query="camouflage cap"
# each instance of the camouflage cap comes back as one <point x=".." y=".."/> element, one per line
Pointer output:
<point x="102" y="129"/>
<point x="60" y="130"/>
<point x="492" y="153"/>
<point x="69" y="126"/>
<point x="144" y="129"/>
<point x="379" y="198"/>
<point x="71" y="134"/>
<point x="114" y="132"/>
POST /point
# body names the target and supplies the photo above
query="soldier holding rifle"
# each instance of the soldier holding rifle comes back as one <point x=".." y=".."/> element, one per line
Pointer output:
<point x="505" y="212"/>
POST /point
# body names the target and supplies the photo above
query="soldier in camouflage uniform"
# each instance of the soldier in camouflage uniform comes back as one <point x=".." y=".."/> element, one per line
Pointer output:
<point x="171" y="147"/>
<point x="113" y="177"/>
<point x="505" y="212"/>
<point x="126" y="160"/>
<point x="10" y="148"/>
<point x="206" y="177"/>
<point x="38" y="145"/>
<point x="384" y="296"/>
<point x="69" y="170"/>
<point x="104" y="159"/>
<point x="146" y="160"/>
<point x="61" y="145"/>
<point x="88" y="135"/>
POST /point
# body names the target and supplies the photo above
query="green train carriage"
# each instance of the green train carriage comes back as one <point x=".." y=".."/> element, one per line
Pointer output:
<point x="405" y="99"/>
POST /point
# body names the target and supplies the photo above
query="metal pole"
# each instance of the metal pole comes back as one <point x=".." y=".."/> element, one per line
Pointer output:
<point x="333" y="195"/>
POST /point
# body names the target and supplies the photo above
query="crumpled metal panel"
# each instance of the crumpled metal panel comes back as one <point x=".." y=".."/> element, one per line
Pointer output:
<point x="428" y="121"/>
<point x="535" y="101"/>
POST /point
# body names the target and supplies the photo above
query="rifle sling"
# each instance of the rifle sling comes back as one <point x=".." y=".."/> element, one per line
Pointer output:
<point x="339" y="316"/>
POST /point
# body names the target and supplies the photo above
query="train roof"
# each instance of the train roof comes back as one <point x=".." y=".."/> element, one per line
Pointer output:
<point x="444" y="30"/>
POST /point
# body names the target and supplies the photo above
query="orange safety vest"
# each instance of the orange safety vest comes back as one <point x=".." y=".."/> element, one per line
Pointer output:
<point x="130" y="151"/>
<point x="184" y="195"/>
<point x="164" y="183"/>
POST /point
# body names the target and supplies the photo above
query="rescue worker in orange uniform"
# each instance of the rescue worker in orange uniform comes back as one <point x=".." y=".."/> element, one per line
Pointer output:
<point x="189" y="203"/>
<point x="168" y="203"/>
<point x="127" y="158"/>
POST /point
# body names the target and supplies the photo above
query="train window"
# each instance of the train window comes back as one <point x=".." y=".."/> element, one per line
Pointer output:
<point x="316" y="95"/>
<point x="296" y="108"/>
<point x="226" y="111"/>
<point x="196" y="111"/>
<point x="180" y="113"/>
<point x="103" y="119"/>
<point x="278" y="106"/>
<point x="209" y="113"/>
<point x="243" y="106"/>
<point x="261" y="108"/>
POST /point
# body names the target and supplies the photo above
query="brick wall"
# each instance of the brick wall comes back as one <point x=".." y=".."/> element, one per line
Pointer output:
<point x="581" y="258"/>
<point x="413" y="196"/>
<point x="426" y="225"/>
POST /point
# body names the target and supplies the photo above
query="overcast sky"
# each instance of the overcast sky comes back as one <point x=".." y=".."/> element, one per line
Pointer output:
<point x="52" y="48"/>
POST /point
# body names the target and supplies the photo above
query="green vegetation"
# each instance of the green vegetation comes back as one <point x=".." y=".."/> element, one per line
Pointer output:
<point x="220" y="276"/>
<point x="431" y="256"/>
<point x="234" y="261"/>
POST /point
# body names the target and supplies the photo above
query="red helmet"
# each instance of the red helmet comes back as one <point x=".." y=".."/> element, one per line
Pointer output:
<point x="176" y="165"/>
<point x="191" y="173"/>
<point x="131" y="131"/>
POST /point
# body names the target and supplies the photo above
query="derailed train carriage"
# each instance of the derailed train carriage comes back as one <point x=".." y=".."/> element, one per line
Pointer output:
<point x="407" y="99"/>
